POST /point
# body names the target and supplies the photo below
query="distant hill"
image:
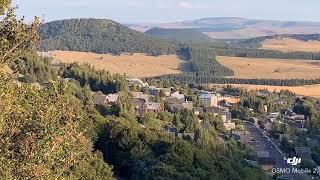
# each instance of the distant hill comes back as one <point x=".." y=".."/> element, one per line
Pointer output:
<point x="238" y="28"/>
<point x="99" y="36"/>
<point x="179" y="35"/>
<point x="258" y="41"/>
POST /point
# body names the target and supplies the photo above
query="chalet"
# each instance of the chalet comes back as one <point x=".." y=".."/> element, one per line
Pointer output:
<point x="138" y="103"/>
<point x="136" y="82"/>
<point x="140" y="95"/>
<point x="303" y="152"/>
<point x="105" y="99"/>
<point x="241" y="136"/>
<point x="154" y="107"/>
<point x="229" y="126"/>
<point x="226" y="116"/>
<point x="229" y="99"/>
<point x="213" y="110"/>
<point x="166" y="91"/>
<point x="174" y="107"/>
<point x="177" y="95"/>
<point x="198" y="111"/>
<point x="208" y="100"/>
<point x="153" y="91"/>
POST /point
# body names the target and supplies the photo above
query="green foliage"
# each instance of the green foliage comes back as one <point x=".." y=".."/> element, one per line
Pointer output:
<point x="16" y="36"/>
<point x="185" y="35"/>
<point x="42" y="136"/>
<point x="34" y="68"/>
<point x="99" y="36"/>
<point x="100" y="80"/>
<point x="141" y="153"/>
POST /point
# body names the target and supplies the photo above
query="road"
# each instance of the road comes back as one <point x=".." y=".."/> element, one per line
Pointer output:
<point x="261" y="143"/>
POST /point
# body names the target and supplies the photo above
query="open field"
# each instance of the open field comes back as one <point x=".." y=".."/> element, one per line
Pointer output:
<point x="136" y="65"/>
<point x="262" y="68"/>
<point x="310" y="90"/>
<point x="291" y="45"/>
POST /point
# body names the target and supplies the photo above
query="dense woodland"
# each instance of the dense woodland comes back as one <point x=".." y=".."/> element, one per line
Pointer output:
<point x="34" y="68"/>
<point x="184" y="35"/>
<point x="99" y="36"/>
<point x="194" y="79"/>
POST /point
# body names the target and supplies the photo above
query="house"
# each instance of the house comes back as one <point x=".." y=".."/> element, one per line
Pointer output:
<point x="154" y="107"/>
<point x="229" y="99"/>
<point x="166" y="91"/>
<point x="140" y="95"/>
<point x="171" y="131"/>
<point x="177" y="95"/>
<point x="226" y="116"/>
<point x="229" y="126"/>
<point x="241" y="136"/>
<point x="174" y="107"/>
<point x="303" y="152"/>
<point x="138" y="103"/>
<point x="208" y="100"/>
<point x="105" y="99"/>
<point x="266" y="163"/>
<point x="136" y="82"/>
<point x="153" y="91"/>
<point x="198" y="111"/>
<point x="213" y="110"/>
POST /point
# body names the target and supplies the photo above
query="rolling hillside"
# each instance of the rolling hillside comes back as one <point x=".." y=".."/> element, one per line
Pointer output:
<point x="99" y="36"/>
<point x="189" y="35"/>
<point x="283" y="42"/>
<point x="238" y="28"/>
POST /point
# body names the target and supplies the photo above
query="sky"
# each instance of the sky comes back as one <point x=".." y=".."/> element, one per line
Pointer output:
<point x="161" y="11"/>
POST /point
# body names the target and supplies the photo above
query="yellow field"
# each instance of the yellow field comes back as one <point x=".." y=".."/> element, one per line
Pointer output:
<point x="262" y="68"/>
<point x="136" y="65"/>
<point x="291" y="45"/>
<point x="310" y="90"/>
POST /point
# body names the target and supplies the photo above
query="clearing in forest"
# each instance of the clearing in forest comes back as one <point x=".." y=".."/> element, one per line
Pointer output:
<point x="135" y="65"/>
<point x="263" y="68"/>
<point x="291" y="45"/>
<point x="309" y="90"/>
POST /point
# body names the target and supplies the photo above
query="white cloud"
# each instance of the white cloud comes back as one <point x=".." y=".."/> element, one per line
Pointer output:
<point x="185" y="5"/>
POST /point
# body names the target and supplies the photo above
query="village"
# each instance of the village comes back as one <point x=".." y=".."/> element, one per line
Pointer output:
<point x="255" y="131"/>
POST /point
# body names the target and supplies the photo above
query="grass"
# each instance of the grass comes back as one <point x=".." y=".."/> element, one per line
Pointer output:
<point x="136" y="65"/>
<point x="310" y="90"/>
<point x="291" y="45"/>
<point x="262" y="68"/>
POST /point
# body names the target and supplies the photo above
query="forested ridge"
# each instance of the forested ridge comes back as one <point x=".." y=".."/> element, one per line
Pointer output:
<point x="100" y="36"/>
<point x="257" y="42"/>
<point x="185" y="35"/>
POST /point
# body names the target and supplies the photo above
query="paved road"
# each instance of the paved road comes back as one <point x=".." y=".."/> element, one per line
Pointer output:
<point x="261" y="143"/>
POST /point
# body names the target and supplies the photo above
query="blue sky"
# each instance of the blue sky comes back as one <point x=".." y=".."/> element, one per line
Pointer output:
<point x="155" y="11"/>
